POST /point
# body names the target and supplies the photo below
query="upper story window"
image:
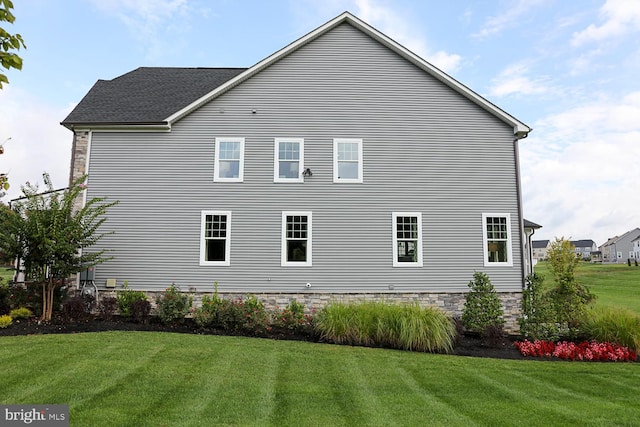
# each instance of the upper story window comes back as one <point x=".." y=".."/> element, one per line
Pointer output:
<point x="496" y="234"/>
<point x="215" y="238"/>
<point x="407" y="239"/>
<point x="296" y="239"/>
<point x="288" y="160"/>
<point x="229" y="160"/>
<point x="347" y="160"/>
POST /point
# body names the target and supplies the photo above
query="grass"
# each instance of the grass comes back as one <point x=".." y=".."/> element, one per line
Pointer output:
<point x="616" y="285"/>
<point x="6" y="274"/>
<point x="153" y="379"/>
<point x="403" y="326"/>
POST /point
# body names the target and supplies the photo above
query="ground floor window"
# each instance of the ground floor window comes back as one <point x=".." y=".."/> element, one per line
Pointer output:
<point x="296" y="239"/>
<point x="496" y="235"/>
<point x="215" y="239"/>
<point x="407" y="239"/>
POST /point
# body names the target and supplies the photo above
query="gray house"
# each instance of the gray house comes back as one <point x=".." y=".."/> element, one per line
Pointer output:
<point x="342" y="166"/>
<point x="584" y="247"/>
<point x="620" y="248"/>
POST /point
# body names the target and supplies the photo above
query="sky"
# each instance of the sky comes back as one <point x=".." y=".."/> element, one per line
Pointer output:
<point x="568" y="69"/>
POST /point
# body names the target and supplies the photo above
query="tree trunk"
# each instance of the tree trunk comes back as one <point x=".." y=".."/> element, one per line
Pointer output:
<point x="45" y="299"/>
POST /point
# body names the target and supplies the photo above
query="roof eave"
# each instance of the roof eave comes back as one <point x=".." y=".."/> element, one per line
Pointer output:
<point x="119" y="127"/>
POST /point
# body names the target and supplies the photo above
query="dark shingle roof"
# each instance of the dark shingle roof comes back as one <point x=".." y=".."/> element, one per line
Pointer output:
<point x="147" y="95"/>
<point x="539" y="244"/>
<point x="530" y="224"/>
<point x="582" y="243"/>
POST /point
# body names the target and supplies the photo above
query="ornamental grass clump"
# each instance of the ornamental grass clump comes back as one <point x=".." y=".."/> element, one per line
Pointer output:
<point x="610" y="324"/>
<point x="402" y="326"/>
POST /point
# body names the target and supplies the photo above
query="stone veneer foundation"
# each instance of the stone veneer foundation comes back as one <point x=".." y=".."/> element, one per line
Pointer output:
<point x="450" y="303"/>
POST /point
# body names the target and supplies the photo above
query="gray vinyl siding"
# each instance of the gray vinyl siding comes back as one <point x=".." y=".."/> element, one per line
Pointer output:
<point x="426" y="149"/>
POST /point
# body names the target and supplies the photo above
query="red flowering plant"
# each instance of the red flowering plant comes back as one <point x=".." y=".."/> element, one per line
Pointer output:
<point x="586" y="350"/>
<point x="293" y="318"/>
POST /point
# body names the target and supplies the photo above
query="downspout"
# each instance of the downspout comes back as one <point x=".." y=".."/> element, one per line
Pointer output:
<point x="530" y="246"/>
<point x="520" y="214"/>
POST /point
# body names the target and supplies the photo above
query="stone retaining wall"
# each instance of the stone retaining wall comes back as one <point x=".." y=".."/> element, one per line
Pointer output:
<point x="451" y="303"/>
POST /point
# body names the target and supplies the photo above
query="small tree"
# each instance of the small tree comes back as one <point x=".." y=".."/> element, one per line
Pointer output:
<point x="538" y="317"/>
<point x="8" y="42"/>
<point x="51" y="237"/>
<point x="570" y="299"/>
<point x="483" y="312"/>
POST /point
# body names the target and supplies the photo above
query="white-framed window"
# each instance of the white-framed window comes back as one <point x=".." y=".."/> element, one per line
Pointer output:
<point x="229" y="160"/>
<point x="347" y="160"/>
<point x="631" y="254"/>
<point x="288" y="159"/>
<point x="496" y="235"/>
<point x="407" y="239"/>
<point x="296" y="239"/>
<point x="215" y="238"/>
<point x="619" y="255"/>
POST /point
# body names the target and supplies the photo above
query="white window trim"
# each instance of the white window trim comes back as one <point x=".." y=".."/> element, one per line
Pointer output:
<point x="283" y="247"/>
<point x="419" y="261"/>
<point x="216" y="168"/>
<point x="276" y="160"/>
<point x="227" y="247"/>
<point x="509" y="262"/>
<point x="337" y="179"/>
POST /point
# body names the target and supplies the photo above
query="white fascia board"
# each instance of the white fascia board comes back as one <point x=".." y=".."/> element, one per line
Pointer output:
<point x="121" y="128"/>
<point x="519" y="129"/>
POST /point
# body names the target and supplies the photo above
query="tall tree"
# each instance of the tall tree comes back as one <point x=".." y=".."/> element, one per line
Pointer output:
<point x="50" y="237"/>
<point x="9" y="42"/>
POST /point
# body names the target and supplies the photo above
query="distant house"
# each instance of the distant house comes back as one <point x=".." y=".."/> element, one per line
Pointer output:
<point x="636" y="248"/>
<point x="620" y="248"/>
<point x="530" y="228"/>
<point x="540" y="248"/>
<point x="584" y="248"/>
<point x="342" y="166"/>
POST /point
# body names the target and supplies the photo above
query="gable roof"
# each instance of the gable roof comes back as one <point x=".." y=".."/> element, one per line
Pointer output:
<point x="539" y="244"/>
<point x="92" y="110"/>
<point x="583" y="243"/>
<point x="146" y="96"/>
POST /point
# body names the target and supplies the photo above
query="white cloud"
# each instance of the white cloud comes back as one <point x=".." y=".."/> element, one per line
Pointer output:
<point x="38" y="142"/>
<point x="151" y="22"/>
<point x="510" y="18"/>
<point x="580" y="170"/>
<point x="398" y="28"/>
<point x="620" y="17"/>
<point x="514" y="80"/>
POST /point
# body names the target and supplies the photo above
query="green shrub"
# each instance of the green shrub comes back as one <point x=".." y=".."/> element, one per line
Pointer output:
<point x="173" y="305"/>
<point x="608" y="324"/>
<point x="570" y="299"/>
<point x="126" y="298"/>
<point x="206" y="316"/>
<point x="403" y="326"/>
<point x="5" y="321"/>
<point x="482" y="312"/>
<point x="21" y="313"/>
<point x="538" y="317"/>
<point x="293" y="318"/>
<point x="254" y="318"/>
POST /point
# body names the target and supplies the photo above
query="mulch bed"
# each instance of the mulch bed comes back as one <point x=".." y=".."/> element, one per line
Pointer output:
<point x="466" y="345"/>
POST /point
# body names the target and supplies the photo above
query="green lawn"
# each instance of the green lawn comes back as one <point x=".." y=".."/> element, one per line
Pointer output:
<point x="615" y="285"/>
<point x="154" y="379"/>
<point x="6" y="274"/>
